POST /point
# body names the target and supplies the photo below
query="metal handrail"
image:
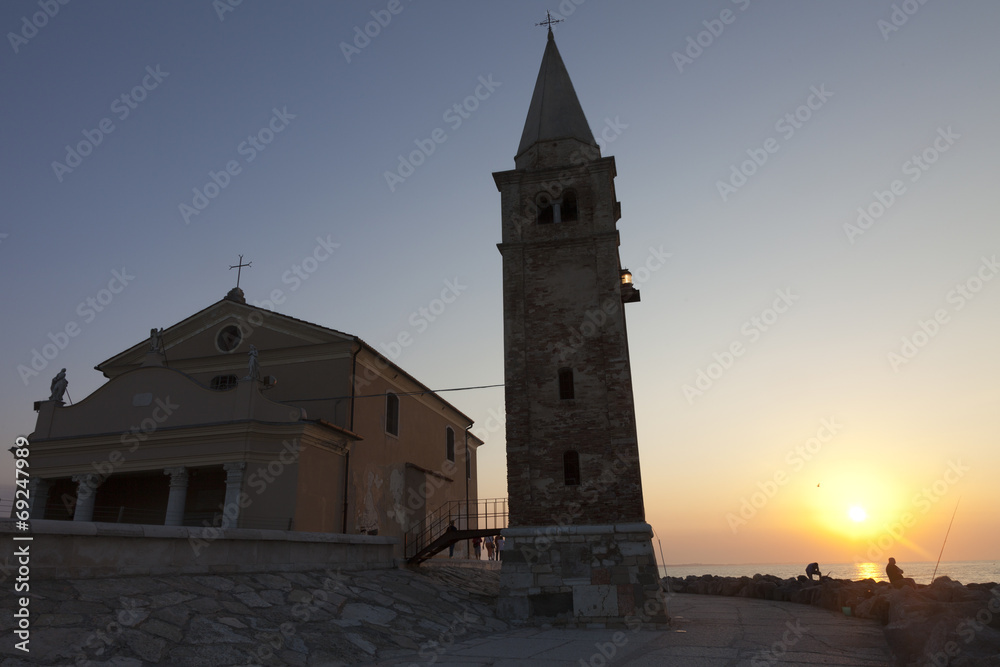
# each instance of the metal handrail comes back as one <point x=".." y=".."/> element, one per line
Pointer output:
<point x="482" y="514"/>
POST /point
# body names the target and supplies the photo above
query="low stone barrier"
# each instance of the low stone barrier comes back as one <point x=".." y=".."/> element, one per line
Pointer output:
<point x="944" y="623"/>
<point x="69" y="549"/>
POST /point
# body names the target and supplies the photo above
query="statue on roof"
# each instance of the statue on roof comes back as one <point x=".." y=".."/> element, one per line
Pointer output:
<point x="156" y="340"/>
<point x="58" y="386"/>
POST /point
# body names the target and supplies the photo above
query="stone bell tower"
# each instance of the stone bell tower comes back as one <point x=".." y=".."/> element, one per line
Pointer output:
<point x="578" y="548"/>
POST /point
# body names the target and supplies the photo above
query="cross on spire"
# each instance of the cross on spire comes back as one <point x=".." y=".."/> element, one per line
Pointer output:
<point x="239" y="269"/>
<point x="549" y="21"/>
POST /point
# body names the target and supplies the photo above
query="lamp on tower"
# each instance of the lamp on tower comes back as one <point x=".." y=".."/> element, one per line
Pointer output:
<point x="629" y="293"/>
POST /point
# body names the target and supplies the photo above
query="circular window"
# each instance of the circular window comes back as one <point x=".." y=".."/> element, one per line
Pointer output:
<point x="229" y="338"/>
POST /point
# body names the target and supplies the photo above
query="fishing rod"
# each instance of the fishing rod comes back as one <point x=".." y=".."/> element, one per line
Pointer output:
<point x="945" y="539"/>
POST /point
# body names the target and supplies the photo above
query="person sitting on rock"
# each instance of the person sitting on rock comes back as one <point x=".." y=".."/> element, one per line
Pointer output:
<point x="895" y="574"/>
<point x="813" y="568"/>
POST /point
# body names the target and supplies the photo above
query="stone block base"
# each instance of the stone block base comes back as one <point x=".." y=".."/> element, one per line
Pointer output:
<point x="581" y="575"/>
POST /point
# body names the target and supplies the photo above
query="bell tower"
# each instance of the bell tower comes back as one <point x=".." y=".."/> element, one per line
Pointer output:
<point x="578" y="548"/>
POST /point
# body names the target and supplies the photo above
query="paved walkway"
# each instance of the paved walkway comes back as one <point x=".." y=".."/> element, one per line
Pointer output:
<point x="707" y="631"/>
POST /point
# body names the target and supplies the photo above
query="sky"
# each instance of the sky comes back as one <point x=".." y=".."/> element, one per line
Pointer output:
<point x="806" y="209"/>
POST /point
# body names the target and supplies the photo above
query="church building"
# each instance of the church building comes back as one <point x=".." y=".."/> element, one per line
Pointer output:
<point x="239" y="417"/>
<point x="578" y="547"/>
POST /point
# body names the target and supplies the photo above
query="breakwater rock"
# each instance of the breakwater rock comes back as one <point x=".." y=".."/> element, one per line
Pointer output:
<point x="944" y="623"/>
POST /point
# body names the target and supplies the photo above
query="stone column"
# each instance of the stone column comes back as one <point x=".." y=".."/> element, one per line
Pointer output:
<point x="178" y="495"/>
<point x="234" y="484"/>
<point x="38" y="495"/>
<point x="86" y="493"/>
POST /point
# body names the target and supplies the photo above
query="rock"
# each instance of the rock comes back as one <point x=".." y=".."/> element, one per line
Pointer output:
<point x="361" y="643"/>
<point x="207" y="631"/>
<point x="366" y="612"/>
<point x="161" y="629"/>
<point x="953" y="624"/>
<point x="149" y="648"/>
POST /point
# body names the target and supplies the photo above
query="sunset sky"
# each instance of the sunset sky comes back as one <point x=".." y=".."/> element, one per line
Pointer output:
<point x="808" y="207"/>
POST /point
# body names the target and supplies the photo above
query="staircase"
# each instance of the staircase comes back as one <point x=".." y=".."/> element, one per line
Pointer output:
<point x="477" y="518"/>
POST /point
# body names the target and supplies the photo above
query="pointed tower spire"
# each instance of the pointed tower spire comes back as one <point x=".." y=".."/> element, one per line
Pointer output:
<point x="555" y="112"/>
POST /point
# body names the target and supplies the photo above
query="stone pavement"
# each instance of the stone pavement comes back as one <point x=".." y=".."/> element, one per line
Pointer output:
<point x="707" y="631"/>
<point x="442" y="613"/>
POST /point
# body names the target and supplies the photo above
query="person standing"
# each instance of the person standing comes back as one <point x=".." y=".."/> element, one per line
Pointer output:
<point x="500" y="541"/>
<point x="489" y="547"/>
<point x="451" y="547"/>
<point x="477" y="546"/>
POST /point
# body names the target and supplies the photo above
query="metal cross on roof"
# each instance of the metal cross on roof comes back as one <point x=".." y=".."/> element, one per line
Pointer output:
<point x="549" y="20"/>
<point x="239" y="269"/>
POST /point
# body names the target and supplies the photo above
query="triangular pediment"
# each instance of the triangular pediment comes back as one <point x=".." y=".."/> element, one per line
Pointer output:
<point x="223" y="333"/>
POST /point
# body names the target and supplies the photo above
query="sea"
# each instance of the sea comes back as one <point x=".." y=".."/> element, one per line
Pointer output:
<point x="966" y="572"/>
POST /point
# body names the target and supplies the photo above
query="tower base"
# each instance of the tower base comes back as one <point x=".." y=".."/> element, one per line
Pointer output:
<point x="581" y="575"/>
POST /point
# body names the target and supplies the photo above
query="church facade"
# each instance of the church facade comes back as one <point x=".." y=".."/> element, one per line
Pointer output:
<point x="578" y="549"/>
<point x="238" y="417"/>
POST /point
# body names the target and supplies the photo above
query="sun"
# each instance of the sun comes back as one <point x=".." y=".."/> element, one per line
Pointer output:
<point x="857" y="514"/>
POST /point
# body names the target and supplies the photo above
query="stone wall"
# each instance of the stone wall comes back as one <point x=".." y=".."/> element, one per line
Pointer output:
<point x="313" y="617"/>
<point x="90" y="549"/>
<point x="587" y="575"/>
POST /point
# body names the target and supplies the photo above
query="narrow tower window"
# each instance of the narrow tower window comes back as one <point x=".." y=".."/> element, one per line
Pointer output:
<point x="571" y="468"/>
<point x="546" y="212"/>
<point x="566" y="389"/>
<point x="392" y="414"/>
<point x="569" y="206"/>
<point x="449" y="437"/>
